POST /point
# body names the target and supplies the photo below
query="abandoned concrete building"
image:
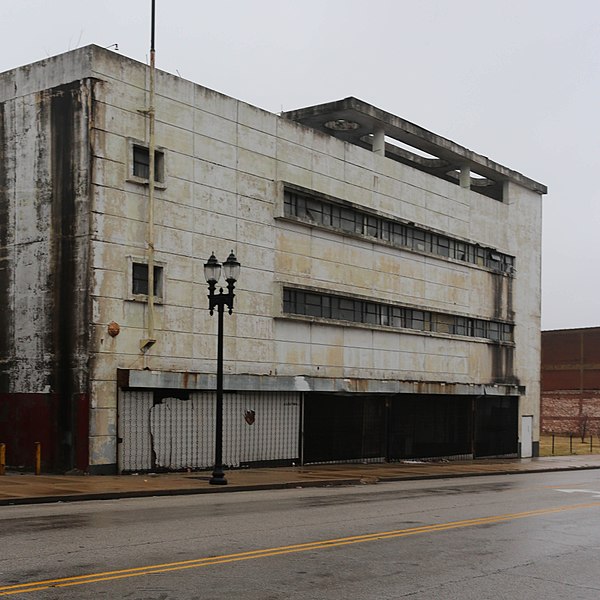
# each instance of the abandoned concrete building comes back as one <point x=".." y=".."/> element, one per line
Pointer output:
<point x="570" y="396"/>
<point x="388" y="304"/>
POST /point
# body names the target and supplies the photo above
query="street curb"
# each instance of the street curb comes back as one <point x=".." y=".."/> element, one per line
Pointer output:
<point x="318" y="483"/>
<point x="486" y="473"/>
<point x="177" y="492"/>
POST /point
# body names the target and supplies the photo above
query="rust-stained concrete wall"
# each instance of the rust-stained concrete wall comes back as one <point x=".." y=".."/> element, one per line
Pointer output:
<point x="225" y="161"/>
<point x="44" y="243"/>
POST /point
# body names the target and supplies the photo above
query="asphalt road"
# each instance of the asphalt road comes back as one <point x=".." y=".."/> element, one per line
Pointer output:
<point x="499" y="537"/>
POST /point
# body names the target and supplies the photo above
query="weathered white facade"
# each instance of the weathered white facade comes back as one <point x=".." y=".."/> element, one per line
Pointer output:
<point x="455" y="237"/>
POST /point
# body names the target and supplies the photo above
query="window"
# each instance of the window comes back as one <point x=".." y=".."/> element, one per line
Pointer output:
<point x="372" y="313"/>
<point x="324" y="213"/>
<point x="399" y="237"/>
<point x="355" y="310"/>
<point x="418" y="319"/>
<point x="419" y="240"/>
<point x="463" y="326"/>
<point x="442" y="247"/>
<point x="397" y="317"/>
<point x="139" y="164"/>
<point x="460" y="251"/>
<point x="494" y="330"/>
<point x="480" y="329"/>
<point x="480" y="256"/>
<point x="445" y="323"/>
<point x="139" y="281"/>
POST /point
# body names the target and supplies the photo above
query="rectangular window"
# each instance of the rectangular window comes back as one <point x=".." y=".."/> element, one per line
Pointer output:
<point x="507" y="332"/>
<point x="480" y="329"/>
<point x="139" y="279"/>
<point x="321" y="212"/>
<point x="442" y="246"/>
<point x="289" y="303"/>
<point x="460" y="251"/>
<point x="354" y="310"/>
<point x="314" y="211"/>
<point x="141" y="163"/>
<point x="350" y="221"/>
<point x="463" y="326"/>
<point x="444" y="323"/>
<point x="480" y="256"/>
<point x="398" y="317"/>
<point x="419" y="240"/>
<point x="313" y="305"/>
<point x="494" y="331"/>
<point x="418" y="319"/>
<point x="371" y="313"/>
<point x="399" y="234"/>
<point x="372" y="226"/>
<point x="290" y="204"/>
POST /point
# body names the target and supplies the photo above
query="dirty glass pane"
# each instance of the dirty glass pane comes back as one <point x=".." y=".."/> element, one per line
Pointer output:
<point x="371" y="313"/>
<point x="443" y="246"/>
<point x="372" y="226"/>
<point x="139" y="283"/>
<point x="290" y="204"/>
<point x="141" y="162"/>
<point x="480" y="328"/>
<point x="348" y="221"/>
<point x="494" y="331"/>
<point x="313" y="305"/>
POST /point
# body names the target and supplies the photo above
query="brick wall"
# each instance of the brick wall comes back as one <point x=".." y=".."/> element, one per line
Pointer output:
<point x="570" y="412"/>
<point x="570" y="400"/>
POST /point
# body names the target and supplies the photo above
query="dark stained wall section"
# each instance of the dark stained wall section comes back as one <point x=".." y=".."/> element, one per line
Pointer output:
<point x="70" y="305"/>
<point x="6" y="354"/>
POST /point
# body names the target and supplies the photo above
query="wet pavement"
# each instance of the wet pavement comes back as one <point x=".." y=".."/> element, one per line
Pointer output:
<point x="18" y="488"/>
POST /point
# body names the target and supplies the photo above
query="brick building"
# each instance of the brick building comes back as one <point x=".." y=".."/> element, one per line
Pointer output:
<point x="570" y="401"/>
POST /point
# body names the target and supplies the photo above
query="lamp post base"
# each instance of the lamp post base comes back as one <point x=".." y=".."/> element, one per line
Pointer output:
<point x="218" y="477"/>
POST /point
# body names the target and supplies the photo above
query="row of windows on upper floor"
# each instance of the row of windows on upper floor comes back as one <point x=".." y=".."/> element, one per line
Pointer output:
<point x="319" y="211"/>
<point x="355" y="310"/>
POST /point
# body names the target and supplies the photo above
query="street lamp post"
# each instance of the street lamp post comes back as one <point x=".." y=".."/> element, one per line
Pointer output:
<point x="212" y="272"/>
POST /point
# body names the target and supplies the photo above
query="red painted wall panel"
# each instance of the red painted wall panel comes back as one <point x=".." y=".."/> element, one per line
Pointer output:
<point x="560" y="380"/>
<point x="29" y="418"/>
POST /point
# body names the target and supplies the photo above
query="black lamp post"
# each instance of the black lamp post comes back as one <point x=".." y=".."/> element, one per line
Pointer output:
<point x="212" y="272"/>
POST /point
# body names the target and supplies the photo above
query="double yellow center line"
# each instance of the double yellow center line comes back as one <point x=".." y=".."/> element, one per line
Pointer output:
<point x="35" y="586"/>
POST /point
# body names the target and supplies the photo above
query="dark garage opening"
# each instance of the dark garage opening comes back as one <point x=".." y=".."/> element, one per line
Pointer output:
<point x="427" y="426"/>
<point x="343" y="428"/>
<point x="369" y="427"/>
<point x="496" y="423"/>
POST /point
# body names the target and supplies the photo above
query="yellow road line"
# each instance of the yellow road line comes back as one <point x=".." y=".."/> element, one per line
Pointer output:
<point x="22" y="588"/>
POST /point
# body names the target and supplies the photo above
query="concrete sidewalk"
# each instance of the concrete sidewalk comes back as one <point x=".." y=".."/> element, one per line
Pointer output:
<point x="18" y="488"/>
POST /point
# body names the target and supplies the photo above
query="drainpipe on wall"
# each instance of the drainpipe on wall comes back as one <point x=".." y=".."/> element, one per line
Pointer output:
<point x="150" y="340"/>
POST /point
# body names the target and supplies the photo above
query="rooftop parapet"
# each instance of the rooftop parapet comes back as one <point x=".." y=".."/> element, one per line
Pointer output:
<point x="364" y="125"/>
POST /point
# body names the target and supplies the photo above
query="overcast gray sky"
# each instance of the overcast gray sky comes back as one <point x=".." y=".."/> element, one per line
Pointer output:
<point x="515" y="80"/>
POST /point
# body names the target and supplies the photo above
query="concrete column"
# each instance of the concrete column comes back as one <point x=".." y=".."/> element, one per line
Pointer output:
<point x="506" y="193"/>
<point x="465" y="177"/>
<point x="379" y="142"/>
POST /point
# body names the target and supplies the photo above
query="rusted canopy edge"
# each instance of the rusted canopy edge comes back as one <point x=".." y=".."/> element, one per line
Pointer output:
<point x="134" y="379"/>
<point x="369" y="118"/>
